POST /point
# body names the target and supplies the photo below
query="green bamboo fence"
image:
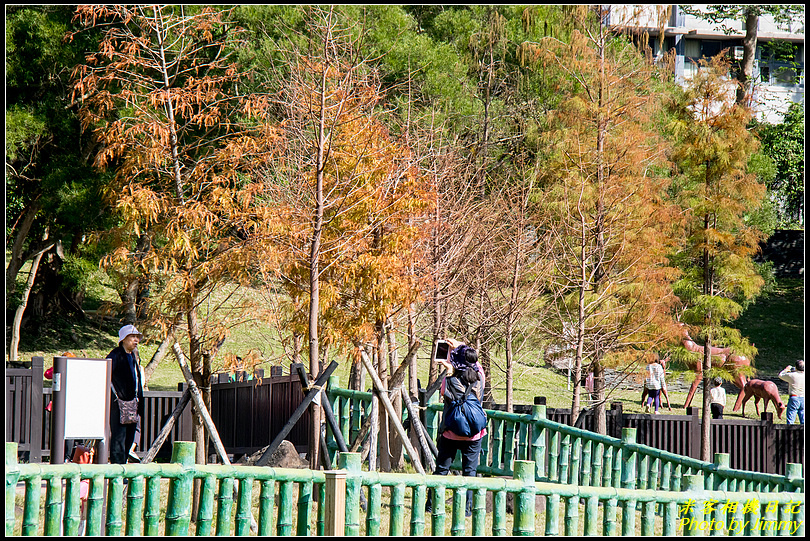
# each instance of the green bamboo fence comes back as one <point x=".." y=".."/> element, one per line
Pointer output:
<point x="567" y="455"/>
<point x="133" y="504"/>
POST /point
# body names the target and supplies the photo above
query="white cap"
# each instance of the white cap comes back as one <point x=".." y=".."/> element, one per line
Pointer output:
<point x="126" y="330"/>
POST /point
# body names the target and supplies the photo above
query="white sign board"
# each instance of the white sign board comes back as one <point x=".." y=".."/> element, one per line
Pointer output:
<point x="85" y="388"/>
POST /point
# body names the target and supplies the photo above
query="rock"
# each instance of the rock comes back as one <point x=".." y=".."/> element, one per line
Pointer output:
<point x="285" y="456"/>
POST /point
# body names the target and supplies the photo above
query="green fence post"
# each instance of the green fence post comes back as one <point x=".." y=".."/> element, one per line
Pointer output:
<point x="628" y="480"/>
<point x="321" y="505"/>
<point x="691" y="512"/>
<point x="437" y="516"/>
<point x="151" y="515"/>
<point x="303" y="527"/>
<point x="12" y="476"/>
<point x="351" y="463"/>
<point x="205" y="508"/>
<point x="609" y="518"/>
<point x="397" y="517"/>
<point x="244" y="507"/>
<point x="73" y="505"/>
<point x="509" y="446"/>
<point x="479" y="511"/>
<point x="285" y="505"/>
<point x="178" y="506"/>
<point x="565" y="459"/>
<point x="571" y="515"/>
<point x="224" y="506"/>
<point x="499" y="513"/>
<point x="418" y="494"/>
<point x="598" y="453"/>
<point x="576" y="453"/>
<point x="607" y="466"/>
<point x="554" y="457"/>
<point x="33" y="490"/>
<point x="115" y="505"/>
<point x="53" y="506"/>
<point x="591" y="516"/>
<point x="539" y="441"/>
<point x="458" y="520"/>
<point x="585" y="469"/>
<point x="373" y="511"/>
<point x="718" y="514"/>
<point x="135" y="493"/>
<point x="497" y="443"/>
<point x="266" y="501"/>
<point x="95" y="505"/>
<point x="524" y="500"/>
<point x="795" y="512"/>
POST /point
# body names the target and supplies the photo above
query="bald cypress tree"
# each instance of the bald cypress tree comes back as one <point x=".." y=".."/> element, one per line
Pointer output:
<point x="718" y="193"/>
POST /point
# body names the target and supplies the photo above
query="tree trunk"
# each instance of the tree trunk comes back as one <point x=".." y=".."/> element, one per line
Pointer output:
<point x="15" y="329"/>
<point x="599" y="391"/>
<point x="396" y="444"/>
<point x="706" y="426"/>
<point x="16" y="259"/>
<point x="745" y="76"/>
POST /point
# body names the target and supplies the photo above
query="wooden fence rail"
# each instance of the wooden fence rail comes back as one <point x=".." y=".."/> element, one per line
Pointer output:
<point x="135" y="508"/>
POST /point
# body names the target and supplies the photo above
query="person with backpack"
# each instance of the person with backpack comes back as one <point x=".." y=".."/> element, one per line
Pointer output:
<point x="463" y="420"/>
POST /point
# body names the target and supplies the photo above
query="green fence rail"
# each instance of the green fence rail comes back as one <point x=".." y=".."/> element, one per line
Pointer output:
<point x="567" y="455"/>
<point x="287" y="503"/>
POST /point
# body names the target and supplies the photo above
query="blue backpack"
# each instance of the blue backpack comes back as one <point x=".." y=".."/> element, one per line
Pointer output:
<point x="465" y="416"/>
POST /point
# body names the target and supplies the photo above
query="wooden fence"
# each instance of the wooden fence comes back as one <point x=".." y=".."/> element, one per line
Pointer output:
<point x="248" y="413"/>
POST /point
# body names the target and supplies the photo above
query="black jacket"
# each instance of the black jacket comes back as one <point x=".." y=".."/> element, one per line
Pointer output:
<point x="123" y="378"/>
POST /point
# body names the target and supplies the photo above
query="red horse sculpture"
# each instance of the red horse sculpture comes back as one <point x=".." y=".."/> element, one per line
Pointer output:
<point x="767" y="391"/>
<point x="720" y="357"/>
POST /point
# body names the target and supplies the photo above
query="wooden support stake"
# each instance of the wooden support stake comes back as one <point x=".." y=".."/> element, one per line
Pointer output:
<point x="167" y="428"/>
<point x="327" y="409"/>
<point x="196" y="396"/>
<point x="389" y="408"/>
<point x="209" y="423"/>
<point x="420" y="430"/>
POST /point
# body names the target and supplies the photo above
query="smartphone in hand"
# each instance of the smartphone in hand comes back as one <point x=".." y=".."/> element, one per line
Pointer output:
<point x="442" y="351"/>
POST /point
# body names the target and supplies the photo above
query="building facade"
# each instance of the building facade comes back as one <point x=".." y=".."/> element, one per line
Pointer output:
<point x="779" y="61"/>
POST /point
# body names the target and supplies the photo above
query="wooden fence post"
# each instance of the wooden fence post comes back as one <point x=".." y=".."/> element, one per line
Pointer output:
<point x="769" y="436"/>
<point x="694" y="431"/>
<point x="335" y="520"/>
<point x="37" y="411"/>
<point x="354" y="488"/>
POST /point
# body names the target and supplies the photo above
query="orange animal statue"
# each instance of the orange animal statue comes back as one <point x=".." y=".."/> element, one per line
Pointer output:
<point x="720" y="357"/>
<point x="767" y="391"/>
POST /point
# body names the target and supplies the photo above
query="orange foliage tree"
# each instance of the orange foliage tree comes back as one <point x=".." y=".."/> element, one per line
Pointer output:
<point x="608" y="223"/>
<point x="163" y="99"/>
<point x="351" y="201"/>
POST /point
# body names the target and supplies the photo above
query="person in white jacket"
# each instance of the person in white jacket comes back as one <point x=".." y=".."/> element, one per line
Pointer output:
<point x="795" y="379"/>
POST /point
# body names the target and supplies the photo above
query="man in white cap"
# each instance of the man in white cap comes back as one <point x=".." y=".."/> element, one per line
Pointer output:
<point x="126" y="386"/>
